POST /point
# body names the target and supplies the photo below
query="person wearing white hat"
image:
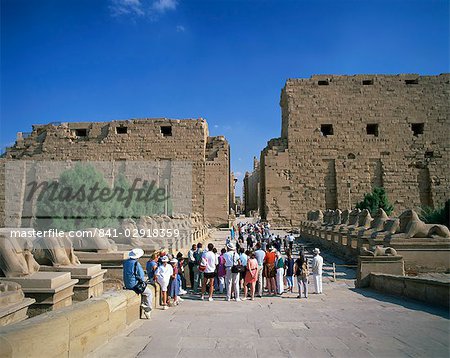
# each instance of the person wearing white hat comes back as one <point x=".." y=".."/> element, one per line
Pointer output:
<point x="317" y="264"/>
<point x="231" y="278"/>
<point x="163" y="274"/>
<point x="134" y="279"/>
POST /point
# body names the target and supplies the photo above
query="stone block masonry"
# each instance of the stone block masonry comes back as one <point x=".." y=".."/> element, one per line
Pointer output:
<point x="158" y="139"/>
<point x="344" y="135"/>
<point x="72" y="331"/>
<point x="252" y="187"/>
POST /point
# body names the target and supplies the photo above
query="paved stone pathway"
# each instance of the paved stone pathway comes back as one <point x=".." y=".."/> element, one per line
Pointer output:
<point x="343" y="322"/>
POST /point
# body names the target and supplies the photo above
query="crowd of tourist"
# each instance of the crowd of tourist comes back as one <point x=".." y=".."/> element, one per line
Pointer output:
<point x="250" y="263"/>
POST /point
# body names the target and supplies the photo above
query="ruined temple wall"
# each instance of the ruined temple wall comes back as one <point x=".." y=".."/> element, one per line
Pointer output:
<point x="144" y="140"/>
<point x="414" y="169"/>
<point x="275" y="183"/>
<point x="251" y="191"/>
<point x="232" y="189"/>
<point x="2" y="193"/>
<point x="217" y="181"/>
<point x="252" y="188"/>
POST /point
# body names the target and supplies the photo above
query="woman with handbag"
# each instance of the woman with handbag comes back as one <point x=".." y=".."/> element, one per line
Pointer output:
<point x="302" y="273"/>
<point x="134" y="279"/>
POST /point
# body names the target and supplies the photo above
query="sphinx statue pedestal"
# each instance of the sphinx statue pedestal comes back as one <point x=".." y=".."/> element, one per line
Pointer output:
<point x="13" y="304"/>
<point x="112" y="261"/>
<point x="50" y="290"/>
<point x="393" y="265"/>
<point x="422" y="254"/>
<point x="90" y="279"/>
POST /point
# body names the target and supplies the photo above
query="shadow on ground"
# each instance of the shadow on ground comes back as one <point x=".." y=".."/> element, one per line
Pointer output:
<point x="402" y="301"/>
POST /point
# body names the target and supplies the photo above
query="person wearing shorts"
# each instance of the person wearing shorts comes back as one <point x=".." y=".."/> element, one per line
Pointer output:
<point x="209" y="260"/>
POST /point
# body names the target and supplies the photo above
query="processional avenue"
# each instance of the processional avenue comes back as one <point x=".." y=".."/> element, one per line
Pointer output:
<point x="358" y="176"/>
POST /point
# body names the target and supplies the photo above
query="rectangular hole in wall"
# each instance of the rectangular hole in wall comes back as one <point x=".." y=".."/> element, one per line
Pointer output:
<point x="166" y="131"/>
<point x="326" y="129"/>
<point x="417" y="128"/>
<point x="412" y="82"/>
<point x="372" y="129"/>
<point x="121" y="130"/>
<point x="323" y="83"/>
<point x="367" y="82"/>
<point x="81" y="132"/>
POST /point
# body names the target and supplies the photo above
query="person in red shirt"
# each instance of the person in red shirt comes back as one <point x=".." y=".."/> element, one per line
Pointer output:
<point x="270" y="270"/>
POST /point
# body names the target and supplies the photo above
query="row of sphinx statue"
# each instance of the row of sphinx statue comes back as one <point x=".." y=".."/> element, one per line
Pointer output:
<point x="360" y="222"/>
<point x="22" y="256"/>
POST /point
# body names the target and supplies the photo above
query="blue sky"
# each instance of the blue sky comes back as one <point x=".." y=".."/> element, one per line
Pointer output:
<point x="226" y="61"/>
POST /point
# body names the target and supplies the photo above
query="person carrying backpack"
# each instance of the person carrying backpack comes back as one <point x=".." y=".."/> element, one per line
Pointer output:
<point x="302" y="272"/>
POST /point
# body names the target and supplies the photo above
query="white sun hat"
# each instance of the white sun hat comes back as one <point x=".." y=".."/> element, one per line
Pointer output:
<point x="230" y="246"/>
<point x="164" y="259"/>
<point x="136" y="253"/>
<point x="316" y="251"/>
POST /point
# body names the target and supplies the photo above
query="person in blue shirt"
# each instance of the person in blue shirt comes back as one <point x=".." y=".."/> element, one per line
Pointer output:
<point x="260" y="254"/>
<point x="289" y="270"/>
<point x="132" y="273"/>
<point x="151" y="267"/>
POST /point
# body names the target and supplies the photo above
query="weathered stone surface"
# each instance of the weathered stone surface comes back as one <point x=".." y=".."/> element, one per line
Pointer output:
<point x="47" y="334"/>
<point x="340" y="140"/>
<point x="411" y="226"/>
<point x="392" y="265"/>
<point x="16" y="259"/>
<point x="13" y="304"/>
<point x="143" y="140"/>
<point x="73" y="331"/>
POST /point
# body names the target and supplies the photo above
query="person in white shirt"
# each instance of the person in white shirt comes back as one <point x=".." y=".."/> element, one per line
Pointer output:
<point x="291" y="239"/>
<point x="162" y="274"/>
<point x="231" y="278"/>
<point x="209" y="260"/>
<point x="317" y="264"/>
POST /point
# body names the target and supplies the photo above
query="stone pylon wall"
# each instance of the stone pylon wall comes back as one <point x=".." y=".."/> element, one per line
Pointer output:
<point x="142" y="140"/>
<point x="347" y="134"/>
<point x="252" y="187"/>
<point x="275" y="183"/>
<point x="217" y="180"/>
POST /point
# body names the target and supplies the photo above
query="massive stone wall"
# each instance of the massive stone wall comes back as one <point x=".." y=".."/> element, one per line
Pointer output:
<point x="275" y="204"/>
<point x="217" y="180"/>
<point x="252" y="188"/>
<point x="345" y="135"/>
<point x="162" y="140"/>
